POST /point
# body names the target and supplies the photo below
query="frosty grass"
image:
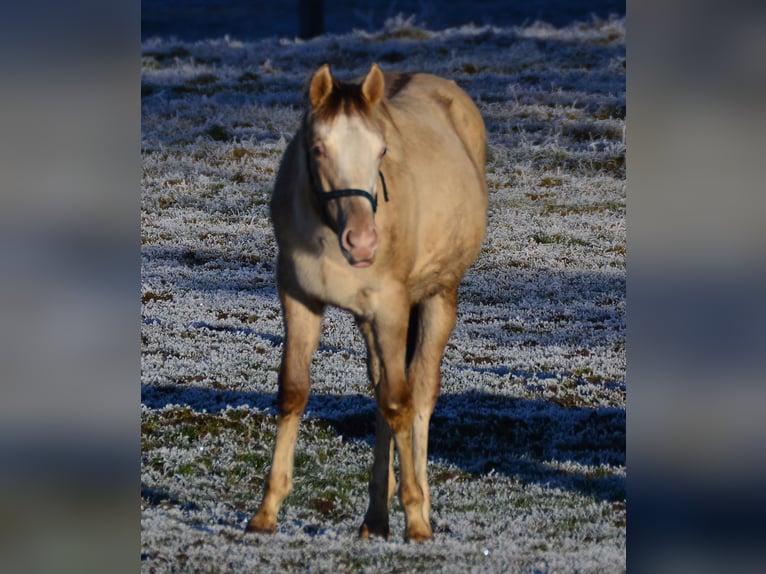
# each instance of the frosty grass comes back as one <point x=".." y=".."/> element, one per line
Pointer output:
<point x="527" y="459"/>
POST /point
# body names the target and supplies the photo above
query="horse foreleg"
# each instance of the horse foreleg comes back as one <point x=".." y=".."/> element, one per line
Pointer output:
<point x="436" y="321"/>
<point x="302" y="327"/>
<point x="395" y="406"/>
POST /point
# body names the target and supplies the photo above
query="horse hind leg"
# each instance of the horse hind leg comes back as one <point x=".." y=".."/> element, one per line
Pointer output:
<point x="413" y="328"/>
<point x="382" y="486"/>
<point x="382" y="482"/>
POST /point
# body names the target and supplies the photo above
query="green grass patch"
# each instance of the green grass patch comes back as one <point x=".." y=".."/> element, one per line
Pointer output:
<point x="580" y="208"/>
<point x="558" y="238"/>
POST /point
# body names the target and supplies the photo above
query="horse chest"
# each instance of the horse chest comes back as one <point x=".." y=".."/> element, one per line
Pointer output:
<point x="336" y="283"/>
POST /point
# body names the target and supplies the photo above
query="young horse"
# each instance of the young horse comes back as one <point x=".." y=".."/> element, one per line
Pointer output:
<point x="379" y="208"/>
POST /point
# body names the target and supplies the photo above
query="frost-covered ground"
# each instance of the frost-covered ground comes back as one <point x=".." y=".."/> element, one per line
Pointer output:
<point x="527" y="461"/>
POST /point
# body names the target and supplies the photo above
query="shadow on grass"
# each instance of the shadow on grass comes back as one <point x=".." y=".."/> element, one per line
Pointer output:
<point x="533" y="441"/>
<point x="528" y="440"/>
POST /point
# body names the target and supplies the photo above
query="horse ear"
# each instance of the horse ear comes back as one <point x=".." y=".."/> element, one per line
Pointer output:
<point x="321" y="85"/>
<point x="374" y="85"/>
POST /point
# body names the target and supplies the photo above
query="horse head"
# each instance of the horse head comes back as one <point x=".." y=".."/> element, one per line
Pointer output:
<point x="344" y="147"/>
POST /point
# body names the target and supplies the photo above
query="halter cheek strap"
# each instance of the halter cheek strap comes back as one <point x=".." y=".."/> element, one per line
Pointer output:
<point x="326" y="196"/>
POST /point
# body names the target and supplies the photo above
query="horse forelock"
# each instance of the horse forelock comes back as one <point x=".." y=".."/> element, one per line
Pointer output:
<point x="344" y="99"/>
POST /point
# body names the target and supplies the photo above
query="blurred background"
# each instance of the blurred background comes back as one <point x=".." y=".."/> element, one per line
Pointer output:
<point x="70" y="173"/>
<point x="251" y="19"/>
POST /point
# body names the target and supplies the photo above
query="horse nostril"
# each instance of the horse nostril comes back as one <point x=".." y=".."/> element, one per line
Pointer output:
<point x="360" y="239"/>
<point x="347" y="241"/>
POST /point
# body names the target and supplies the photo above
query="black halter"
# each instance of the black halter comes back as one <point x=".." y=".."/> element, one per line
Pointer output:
<point x="325" y="196"/>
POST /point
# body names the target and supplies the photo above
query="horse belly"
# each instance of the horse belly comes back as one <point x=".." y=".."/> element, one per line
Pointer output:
<point x="441" y="269"/>
<point x="448" y="243"/>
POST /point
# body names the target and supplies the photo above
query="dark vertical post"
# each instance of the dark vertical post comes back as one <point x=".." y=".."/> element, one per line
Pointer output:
<point x="311" y="18"/>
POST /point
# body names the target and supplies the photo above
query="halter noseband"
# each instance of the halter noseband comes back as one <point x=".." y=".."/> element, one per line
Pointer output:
<point x="325" y="196"/>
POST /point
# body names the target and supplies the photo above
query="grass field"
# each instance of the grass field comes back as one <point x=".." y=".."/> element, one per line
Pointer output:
<point x="527" y="461"/>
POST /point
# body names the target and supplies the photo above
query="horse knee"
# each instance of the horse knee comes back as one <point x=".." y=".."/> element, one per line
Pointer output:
<point x="291" y="400"/>
<point x="398" y="412"/>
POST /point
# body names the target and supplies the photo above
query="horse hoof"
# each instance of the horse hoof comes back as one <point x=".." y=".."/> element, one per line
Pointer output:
<point x="367" y="530"/>
<point x="419" y="535"/>
<point x="259" y="525"/>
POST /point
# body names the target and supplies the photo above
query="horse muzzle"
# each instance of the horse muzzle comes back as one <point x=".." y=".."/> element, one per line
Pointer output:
<point x="359" y="243"/>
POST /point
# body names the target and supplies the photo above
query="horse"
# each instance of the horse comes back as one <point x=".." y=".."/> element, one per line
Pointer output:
<point x="379" y="208"/>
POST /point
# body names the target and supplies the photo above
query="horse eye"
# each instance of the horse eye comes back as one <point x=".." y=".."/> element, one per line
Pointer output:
<point x="318" y="150"/>
<point x="385" y="149"/>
